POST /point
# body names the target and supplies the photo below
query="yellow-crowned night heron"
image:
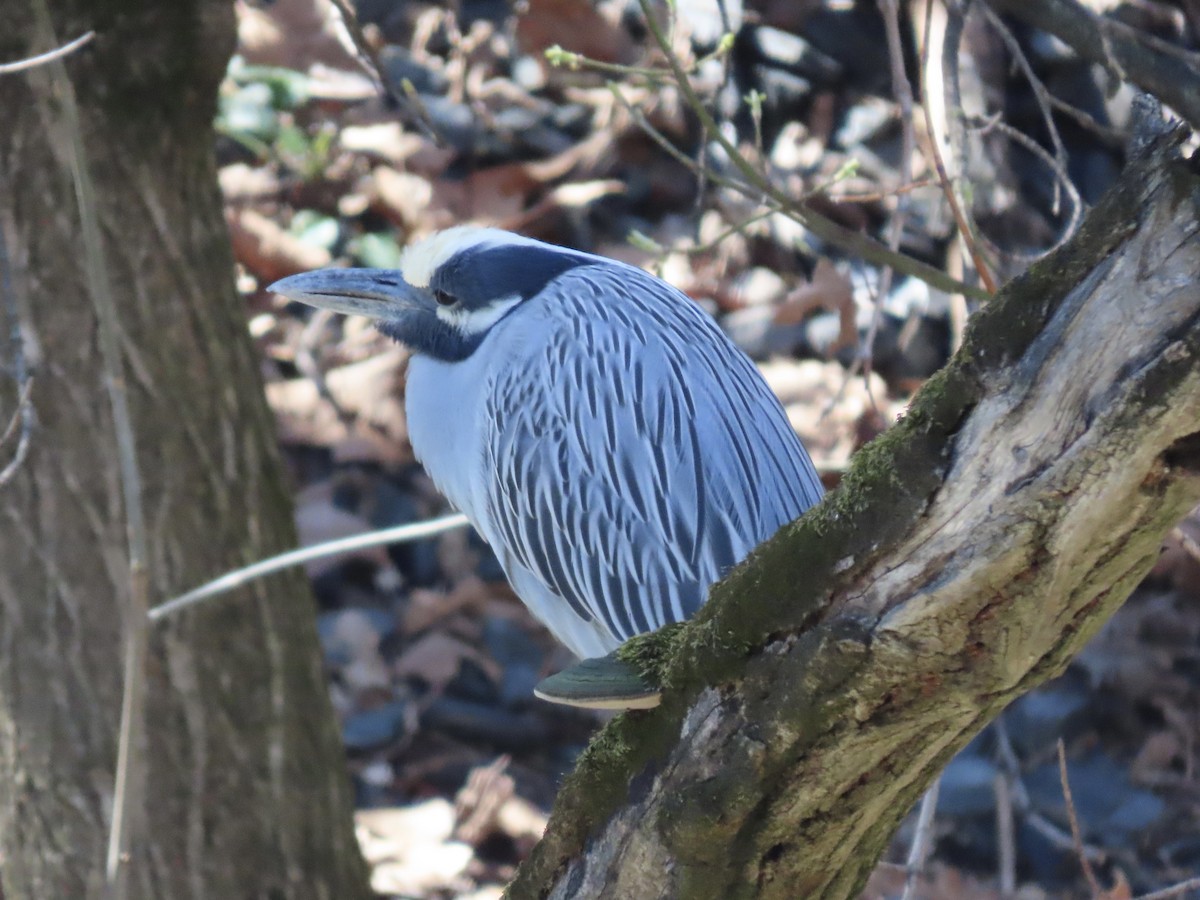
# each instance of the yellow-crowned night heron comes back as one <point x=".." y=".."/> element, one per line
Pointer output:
<point x="604" y="436"/>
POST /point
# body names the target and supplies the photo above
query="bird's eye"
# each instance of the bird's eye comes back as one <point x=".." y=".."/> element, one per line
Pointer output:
<point x="443" y="298"/>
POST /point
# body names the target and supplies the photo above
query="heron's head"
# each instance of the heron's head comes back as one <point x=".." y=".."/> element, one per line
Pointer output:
<point x="449" y="291"/>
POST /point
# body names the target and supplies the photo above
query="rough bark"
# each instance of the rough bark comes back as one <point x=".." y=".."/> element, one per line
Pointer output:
<point x="247" y="794"/>
<point x="968" y="555"/>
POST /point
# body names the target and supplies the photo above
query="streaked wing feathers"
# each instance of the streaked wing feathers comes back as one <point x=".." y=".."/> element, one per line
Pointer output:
<point x="637" y="455"/>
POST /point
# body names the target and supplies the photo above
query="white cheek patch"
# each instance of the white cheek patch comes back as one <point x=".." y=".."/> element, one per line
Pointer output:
<point x="476" y="321"/>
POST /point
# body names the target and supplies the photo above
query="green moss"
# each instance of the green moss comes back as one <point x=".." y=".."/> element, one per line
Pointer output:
<point x="607" y="749"/>
<point x="651" y="654"/>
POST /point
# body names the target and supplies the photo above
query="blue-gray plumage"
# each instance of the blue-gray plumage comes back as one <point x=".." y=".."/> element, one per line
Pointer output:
<point x="616" y="450"/>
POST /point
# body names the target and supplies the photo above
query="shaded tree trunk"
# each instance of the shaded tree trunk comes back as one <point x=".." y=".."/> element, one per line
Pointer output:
<point x="246" y="792"/>
<point x="968" y="555"/>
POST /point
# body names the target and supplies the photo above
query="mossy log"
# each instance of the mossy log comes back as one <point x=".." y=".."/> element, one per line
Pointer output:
<point x="968" y="555"/>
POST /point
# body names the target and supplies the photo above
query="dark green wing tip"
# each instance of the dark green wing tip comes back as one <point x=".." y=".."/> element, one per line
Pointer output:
<point x="602" y="683"/>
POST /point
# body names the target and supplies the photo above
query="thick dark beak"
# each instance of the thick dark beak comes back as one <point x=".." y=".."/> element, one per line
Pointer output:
<point x="376" y="293"/>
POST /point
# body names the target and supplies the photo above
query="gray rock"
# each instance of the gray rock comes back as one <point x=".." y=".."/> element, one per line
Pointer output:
<point x="968" y="787"/>
<point x="375" y="728"/>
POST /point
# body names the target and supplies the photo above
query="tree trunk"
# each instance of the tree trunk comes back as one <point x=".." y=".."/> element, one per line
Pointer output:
<point x="246" y="793"/>
<point x="968" y="555"/>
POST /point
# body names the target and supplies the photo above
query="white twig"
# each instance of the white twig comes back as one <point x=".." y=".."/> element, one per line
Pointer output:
<point x="922" y="841"/>
<point x="230" y="580"/>
<point x="41" y="59"/>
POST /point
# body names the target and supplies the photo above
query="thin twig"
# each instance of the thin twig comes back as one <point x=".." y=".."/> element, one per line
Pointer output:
<point x="22" y="65"/>
<point x="1189" y="543"/>
<point x="639" y="119"/>
<point x="699" y="170"/>
<point x="921" y="843"/>
<point x="368" y="58"/>
<point x="15" y="421"/>
<point x="709" y="246"/>
<point x="127" y="793"/>
<point x="24" y="414"/>
<point x="878" y="196"/>
<point x="1175" y="890"/>
<point x="1076" y="834"/>
<point x="1040" y="93"/>
<point x="902" y="91"/>
<point x="824" y="228"/>
<point x="1058" y="838"/>
<point x="24" y="417"/>
<point x="936" y="104"/>
<point x="558" y="57"/>
<point x="1006" y="852"/>
<point x="995" y="123"/>
<point x="235" y="579"/>
<point x="1112" y="138"/>
<point x="1156" y="66"/>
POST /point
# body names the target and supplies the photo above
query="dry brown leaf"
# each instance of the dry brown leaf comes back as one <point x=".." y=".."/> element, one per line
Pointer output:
<point x="1180" y="559"/>
<point x="457" y="556"/>
<point x="588" y="155"/>
<point x="240" y="182"/>
<point x="575" y="25"/>
<point x="436" y="657"/>
<point x="426" y="607"/>
<point x="827" y="410"/>
<point x="487" y="195"/>
<point x="266" y="250"/>
<point x="830" y="290"/>
<point x="405" y="199"/>
<point x="938" y="882"/>
<point x="387" y="141"/>
<point x="1120" y="890"/>
<point x="573" y="196"/>
<point x="1156" y="756"/>
<point x="521" y="820"/>
<point x="370" y="391"/>
<point x="295" y="34"/>
<point x="488" y="804"/>
<point x="409" y="848"/>
<point x="486" y="892"/>
<point x="477" y="804"/>
<point x="468" y="628"/>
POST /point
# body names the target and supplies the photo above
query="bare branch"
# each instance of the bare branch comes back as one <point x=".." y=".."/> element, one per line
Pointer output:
<point x="940" y="95"/>
<point x="824" y="228"/>
<point x="1154" y="66"/>
<point x="1073" y="818"/>
<point x="995" y="123"/>
<point x="231" y="580"/>
<point x="902" y="91"/>
<point x="32" y="62"/>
